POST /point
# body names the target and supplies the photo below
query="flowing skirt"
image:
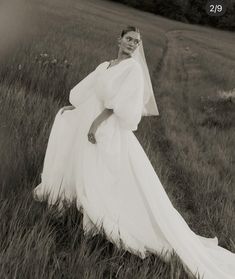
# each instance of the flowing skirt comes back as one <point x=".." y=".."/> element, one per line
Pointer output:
<point x="117" y="189"/>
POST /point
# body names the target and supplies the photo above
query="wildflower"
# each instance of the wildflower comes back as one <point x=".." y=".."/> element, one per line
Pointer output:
<point x="54" y="61"/>
<point x="44" y="55"/>
<point x="227" y="95"/>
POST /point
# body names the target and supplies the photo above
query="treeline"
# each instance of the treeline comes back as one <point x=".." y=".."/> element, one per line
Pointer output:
<point x="189" y="11"/>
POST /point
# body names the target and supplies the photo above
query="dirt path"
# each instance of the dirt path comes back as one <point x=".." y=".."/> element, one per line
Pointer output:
<point x="177" y="67"/>
<point x="184" y="148"/>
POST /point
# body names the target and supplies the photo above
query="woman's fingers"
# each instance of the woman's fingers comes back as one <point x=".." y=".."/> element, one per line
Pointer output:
<point x="67" y="108"/>
<point x="91" y="138"/>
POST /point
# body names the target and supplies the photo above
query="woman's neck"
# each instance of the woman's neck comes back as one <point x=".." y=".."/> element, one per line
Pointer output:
<point x="122" y="56"/>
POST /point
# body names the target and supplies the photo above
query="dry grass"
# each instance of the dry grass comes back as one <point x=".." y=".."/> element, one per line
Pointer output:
<point x="191" y="144"/>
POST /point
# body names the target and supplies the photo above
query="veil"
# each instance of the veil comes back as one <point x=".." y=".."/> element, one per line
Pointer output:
<point x="150" y="106"/>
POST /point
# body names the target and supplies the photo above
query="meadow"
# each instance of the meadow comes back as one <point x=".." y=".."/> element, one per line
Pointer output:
<point x="190" y="144"/>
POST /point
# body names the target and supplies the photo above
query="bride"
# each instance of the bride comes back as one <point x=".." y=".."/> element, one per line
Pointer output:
<point x="94" y="157"/>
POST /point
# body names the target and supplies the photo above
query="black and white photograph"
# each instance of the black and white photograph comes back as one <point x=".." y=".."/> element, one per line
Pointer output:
<point x="117" y="139"/>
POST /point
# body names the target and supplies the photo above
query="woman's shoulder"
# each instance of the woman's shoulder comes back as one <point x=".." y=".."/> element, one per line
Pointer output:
<point x="135" y="63"/>
<point x="131" y="65"/>
<point x="135" y="66"/>
<point x="128" y="66"/>
<point x="131" y="61"/>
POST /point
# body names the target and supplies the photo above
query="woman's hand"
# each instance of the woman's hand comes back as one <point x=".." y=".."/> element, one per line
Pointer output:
<point x="99" y="119"/>
<point x="67" y="108"/>
<point x="91" y="133"/>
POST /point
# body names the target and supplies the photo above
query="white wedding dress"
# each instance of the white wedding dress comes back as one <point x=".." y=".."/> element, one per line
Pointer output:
<point x="113" y="180"/>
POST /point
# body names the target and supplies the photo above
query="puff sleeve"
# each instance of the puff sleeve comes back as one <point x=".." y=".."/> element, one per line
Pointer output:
<point x="83" y="90"/>
<point x="127" y="97"/>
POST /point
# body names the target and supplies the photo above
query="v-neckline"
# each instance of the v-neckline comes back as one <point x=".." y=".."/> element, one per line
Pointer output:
<point x="108" y="67"/>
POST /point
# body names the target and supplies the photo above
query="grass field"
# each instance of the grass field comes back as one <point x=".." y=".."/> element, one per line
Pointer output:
<point x="191" y="144"/>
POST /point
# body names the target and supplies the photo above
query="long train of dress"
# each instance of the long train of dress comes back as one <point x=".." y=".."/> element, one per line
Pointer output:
<point x="113" y="180"/>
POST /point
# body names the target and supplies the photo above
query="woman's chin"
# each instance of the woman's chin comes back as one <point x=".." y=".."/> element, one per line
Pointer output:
<point x="127" y="51"/>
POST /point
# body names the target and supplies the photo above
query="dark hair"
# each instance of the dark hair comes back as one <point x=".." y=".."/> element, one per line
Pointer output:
<point x="128" y="29"/>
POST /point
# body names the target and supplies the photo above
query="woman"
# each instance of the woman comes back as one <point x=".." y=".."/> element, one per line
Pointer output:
<point x="93" y="156"/>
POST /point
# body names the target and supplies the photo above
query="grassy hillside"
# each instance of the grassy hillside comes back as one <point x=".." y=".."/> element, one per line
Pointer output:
<point x="191" y="143"/>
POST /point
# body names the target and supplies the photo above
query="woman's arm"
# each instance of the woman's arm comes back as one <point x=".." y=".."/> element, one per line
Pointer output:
<point x="98" y="120"/>
<point x="102" y="116"/>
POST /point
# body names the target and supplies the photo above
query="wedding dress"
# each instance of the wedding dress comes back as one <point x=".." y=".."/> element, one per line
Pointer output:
<point x="113" y="180"/>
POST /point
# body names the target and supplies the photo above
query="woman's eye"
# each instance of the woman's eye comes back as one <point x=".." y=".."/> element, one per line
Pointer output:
<point x="136" y="42"/>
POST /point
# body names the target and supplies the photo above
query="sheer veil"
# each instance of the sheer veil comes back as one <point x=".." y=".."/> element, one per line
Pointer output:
<point x="150" y="106"/>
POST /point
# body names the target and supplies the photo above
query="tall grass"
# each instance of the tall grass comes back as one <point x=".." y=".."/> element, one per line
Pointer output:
<point x="191" y="143"/>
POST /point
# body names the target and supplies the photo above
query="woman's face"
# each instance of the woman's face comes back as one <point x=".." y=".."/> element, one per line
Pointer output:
<point x="129" y="42"/>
